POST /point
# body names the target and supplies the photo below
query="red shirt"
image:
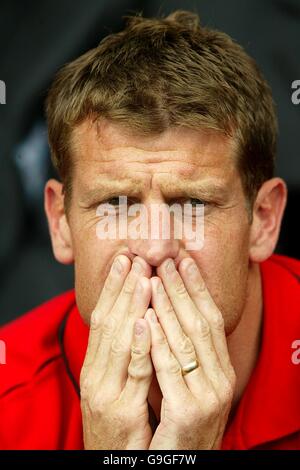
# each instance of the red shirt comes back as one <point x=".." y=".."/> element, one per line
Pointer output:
<point x="39" y="393"/>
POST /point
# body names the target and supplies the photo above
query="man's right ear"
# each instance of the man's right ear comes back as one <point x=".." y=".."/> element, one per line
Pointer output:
<point x="58" y="224"/>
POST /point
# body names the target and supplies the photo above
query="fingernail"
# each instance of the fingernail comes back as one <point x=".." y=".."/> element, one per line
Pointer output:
<point x="117" y="266"/>
<point x="170" y="266"/>
<point x="138" y="328"/>
<point x="137" y="268"/>
<point x="192" y="269"/>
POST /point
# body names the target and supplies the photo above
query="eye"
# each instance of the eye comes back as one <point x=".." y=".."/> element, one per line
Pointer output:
<point x="118" y="203"/>
<point x="195" y="207"/>
<point x="194" y="201"/>
<point x="114" y="201"/>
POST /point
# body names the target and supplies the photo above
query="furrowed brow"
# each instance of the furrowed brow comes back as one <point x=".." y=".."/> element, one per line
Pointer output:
<point x="109" y="189"/>
<point x="205" y="189"/>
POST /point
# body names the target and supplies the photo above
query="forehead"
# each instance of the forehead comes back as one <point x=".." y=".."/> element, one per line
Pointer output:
<point x="108" y="150"/>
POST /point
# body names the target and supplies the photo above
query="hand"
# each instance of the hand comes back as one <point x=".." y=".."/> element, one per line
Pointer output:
<point x="117" y="370"/>
<point x="195" y="406"/>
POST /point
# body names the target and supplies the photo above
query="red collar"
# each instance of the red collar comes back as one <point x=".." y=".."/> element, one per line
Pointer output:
<point x="270" y="407"/>
<point x="75" y="339"/>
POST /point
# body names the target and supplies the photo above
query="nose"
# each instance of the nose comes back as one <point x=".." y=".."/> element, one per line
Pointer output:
<point x="157" y="243"/>
<point x="154" y="251"/>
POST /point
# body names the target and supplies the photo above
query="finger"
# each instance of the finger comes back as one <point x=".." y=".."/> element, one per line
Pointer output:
<point x="134" y="296"/>
<point x="198" y="291"/>
<point x="185" y="309"/>
<point x="116" y="366"/>
<point x="140" y="268"/>
<point x="111" y="290"/>
<point x="180" y="345"/>
<point x="193" y="323"/>
<point x="107" y="316"/>
<point x="167" y="368"/>
<point x="140" y="367"/>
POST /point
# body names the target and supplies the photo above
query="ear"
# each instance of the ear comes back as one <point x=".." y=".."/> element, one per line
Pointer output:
<point x="267" y="216"/>
<point x="58" y="224"/>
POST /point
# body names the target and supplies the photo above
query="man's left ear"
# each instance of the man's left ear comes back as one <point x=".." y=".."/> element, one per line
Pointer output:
<point x="268" y="211"/>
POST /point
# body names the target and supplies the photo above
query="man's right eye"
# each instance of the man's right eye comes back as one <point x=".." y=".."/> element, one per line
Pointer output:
<point x="114" y="201"/>
<point x="118" y="201"/>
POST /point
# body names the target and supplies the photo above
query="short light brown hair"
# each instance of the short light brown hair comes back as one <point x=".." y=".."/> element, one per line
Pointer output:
<point x="163" y="72"/>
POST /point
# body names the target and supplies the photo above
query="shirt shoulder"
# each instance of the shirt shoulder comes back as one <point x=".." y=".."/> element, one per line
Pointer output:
<point x="290" y="265"/>
<point x="32" y="342"/>
<point x="281" y="287"/>
<point x="268" y="414"/>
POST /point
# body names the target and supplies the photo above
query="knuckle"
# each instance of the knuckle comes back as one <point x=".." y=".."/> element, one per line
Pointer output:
<point x="128" y="290"/>
<point x="169" y="365"/>
<point x="118" y="347"/>
<point x="202" y="328"/>
<point x="181" y="290"/>
<point x="186" y="346"/>
<point x="110" y="287"/>
<point x="217" y="321"/>
<point x="129" y="286"/>
<point x="132" y="310"/>
<point x="159" y="342"/>
<point x="108" y="327"/>
<point x="137" y="351"/>
<point x="95" y="320"/>
<point x="199" y="288"/>
<point x="174" y="367"/>
<point x="96" y="405"/>
<point x="139" y="371"/>
<point x="168" y="310"/>
<point x="213" y="408"/>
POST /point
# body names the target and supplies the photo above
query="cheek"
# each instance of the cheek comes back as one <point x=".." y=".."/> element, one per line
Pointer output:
<point x="92" y="262"/>
<point x="224" y="264"/>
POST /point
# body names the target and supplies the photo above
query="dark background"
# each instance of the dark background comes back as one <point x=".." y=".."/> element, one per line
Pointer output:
<point x="36" y="38"/>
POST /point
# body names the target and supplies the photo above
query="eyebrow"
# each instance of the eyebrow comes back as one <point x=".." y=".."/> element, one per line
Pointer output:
<point x="111" y="188"/>
<point x="206" y="188"/>
<point x="179" y="188"/>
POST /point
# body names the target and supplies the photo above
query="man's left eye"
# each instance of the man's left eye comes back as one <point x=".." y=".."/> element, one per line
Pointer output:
<point x="196" y="202"/>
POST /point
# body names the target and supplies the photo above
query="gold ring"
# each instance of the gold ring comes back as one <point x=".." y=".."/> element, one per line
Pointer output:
<point x="190" y="367"/>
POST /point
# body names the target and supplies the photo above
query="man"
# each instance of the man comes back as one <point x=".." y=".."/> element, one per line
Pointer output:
<point x="164" y="347"/>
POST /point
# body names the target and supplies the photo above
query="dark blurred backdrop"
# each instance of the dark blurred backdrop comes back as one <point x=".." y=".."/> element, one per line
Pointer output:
<point x="36" y="38"/>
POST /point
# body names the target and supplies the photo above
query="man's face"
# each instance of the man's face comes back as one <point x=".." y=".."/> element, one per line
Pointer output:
<point x="178" y="165"/>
